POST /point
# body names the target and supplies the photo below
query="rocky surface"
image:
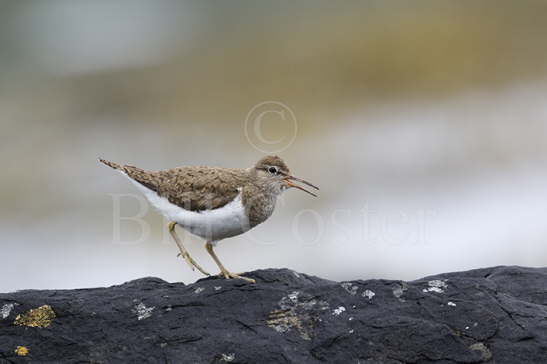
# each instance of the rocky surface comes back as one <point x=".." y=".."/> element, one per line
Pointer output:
<point x="491" y="315"/>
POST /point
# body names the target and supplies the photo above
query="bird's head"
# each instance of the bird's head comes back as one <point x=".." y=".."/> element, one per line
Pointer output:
<point x="275" y="172"/>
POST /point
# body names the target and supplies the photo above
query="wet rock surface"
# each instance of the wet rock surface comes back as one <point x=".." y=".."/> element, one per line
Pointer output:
<point x="491" y="315"/>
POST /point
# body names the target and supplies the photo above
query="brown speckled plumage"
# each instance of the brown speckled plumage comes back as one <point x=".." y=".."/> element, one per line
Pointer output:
<point x="198" y="188"/>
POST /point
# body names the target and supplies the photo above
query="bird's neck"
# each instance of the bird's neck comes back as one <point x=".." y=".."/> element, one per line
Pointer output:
<point x="259" y="201"/>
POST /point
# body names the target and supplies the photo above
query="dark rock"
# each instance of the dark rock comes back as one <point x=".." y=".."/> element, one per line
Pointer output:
<point x="492" y="315"/>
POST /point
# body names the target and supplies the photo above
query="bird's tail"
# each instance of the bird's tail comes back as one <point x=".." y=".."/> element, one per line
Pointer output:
<point x="111" y="164"/>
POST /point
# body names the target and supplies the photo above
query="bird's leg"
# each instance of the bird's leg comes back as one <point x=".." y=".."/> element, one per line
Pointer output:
<point x="183" y="252"/>
<point x="223" y="270"/>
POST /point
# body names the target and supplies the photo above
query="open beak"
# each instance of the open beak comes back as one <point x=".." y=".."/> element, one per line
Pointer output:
<point x="288" y="181"/>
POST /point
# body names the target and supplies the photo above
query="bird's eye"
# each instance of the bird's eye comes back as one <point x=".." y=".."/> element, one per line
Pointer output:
<point x="273" y="170"/>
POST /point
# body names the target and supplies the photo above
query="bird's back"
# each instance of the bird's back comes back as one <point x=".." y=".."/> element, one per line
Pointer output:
<point x="193" y="188"/>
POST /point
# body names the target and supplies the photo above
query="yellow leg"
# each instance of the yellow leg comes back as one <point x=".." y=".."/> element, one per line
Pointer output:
<point x="183" y="252"/>
<point x="223" y="270"/>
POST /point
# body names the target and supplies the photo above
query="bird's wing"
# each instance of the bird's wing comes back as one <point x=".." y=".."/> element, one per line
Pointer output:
<point x="192" y="188"/>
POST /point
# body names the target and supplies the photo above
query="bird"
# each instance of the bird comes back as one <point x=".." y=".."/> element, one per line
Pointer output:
<point x="214" y="203"/>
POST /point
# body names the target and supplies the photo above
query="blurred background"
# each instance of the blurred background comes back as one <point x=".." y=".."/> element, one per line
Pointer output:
<point x="424" y="123"/>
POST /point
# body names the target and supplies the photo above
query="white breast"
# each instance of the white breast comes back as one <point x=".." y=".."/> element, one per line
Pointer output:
<point x="212" y="225"/>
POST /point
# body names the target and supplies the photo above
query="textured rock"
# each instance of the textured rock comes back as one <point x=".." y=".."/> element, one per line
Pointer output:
<point x="491" y="315"/>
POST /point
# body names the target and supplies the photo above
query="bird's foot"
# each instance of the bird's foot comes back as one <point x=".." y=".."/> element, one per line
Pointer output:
<point x="229" y="275"/>
<point x="192" y="263"/>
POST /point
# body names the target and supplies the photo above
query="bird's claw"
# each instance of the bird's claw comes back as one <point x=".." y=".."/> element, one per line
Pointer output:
<point x="229" y="275"/>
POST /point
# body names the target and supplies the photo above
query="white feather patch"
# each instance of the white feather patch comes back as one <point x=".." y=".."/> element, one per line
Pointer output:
<point x="213" y="225"/>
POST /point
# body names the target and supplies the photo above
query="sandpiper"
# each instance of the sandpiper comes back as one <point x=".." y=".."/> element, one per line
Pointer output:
<point x="214" y="203"/>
